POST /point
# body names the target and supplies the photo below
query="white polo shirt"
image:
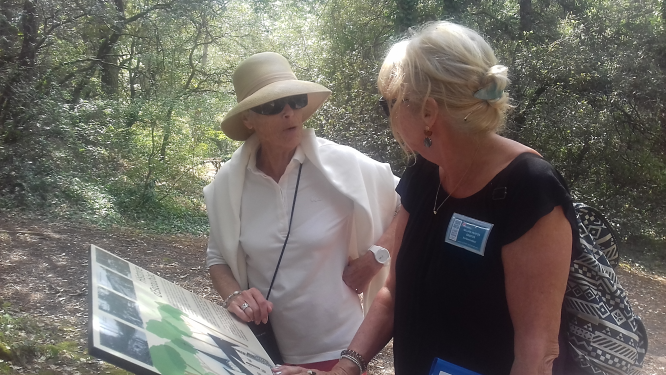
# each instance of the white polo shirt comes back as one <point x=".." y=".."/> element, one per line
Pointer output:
<point x="315" y="314"/>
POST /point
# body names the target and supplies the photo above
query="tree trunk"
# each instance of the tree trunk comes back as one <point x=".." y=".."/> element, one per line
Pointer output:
<point x="110" y="72"/>
<point x="167" y="134"/>
<point x="26" y="59"/>
<point x="104" y="49"/>
<point x="453" y="8"/>
<point x="133" y="73"/>
<point x="406" y="16"/>
<point x="109" y="66"/>
<point x="29" y="26"/>
<point x="109" y="43"/>
<point x="662" y="122"/>
<point x="525" y="16"/>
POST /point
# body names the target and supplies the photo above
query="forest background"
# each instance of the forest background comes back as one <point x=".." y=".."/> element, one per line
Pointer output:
<point x="110" y="109"/>
<point x="109" y="127"/>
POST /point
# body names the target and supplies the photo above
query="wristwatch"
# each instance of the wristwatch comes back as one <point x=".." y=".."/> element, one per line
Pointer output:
<point x="381" y="254"/>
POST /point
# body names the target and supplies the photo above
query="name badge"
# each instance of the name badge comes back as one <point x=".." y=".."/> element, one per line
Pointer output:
<point x="468" y="233"/>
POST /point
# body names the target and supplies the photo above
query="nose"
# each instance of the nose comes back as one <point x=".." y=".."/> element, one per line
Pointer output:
<point x="287" y="111"/>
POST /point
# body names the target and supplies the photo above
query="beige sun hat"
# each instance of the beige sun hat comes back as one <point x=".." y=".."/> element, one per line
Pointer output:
<point x="264" y="77"/>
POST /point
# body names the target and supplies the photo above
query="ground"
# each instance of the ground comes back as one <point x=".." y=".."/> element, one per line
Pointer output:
<point x="44" y="278"/>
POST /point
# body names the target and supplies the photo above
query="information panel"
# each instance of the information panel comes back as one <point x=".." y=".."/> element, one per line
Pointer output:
<point x="147" y="325"/>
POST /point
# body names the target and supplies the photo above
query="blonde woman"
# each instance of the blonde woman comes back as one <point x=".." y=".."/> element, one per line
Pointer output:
<point x="485" y="235"/>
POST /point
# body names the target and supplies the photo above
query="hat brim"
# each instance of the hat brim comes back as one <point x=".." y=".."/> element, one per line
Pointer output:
<point x="232" y="124"/>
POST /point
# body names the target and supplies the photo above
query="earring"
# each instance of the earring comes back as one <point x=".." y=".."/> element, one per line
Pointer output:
<point x="427" y="141"/>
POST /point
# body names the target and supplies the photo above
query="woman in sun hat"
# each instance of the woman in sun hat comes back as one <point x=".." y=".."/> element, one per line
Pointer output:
<point x="289" y="211"/>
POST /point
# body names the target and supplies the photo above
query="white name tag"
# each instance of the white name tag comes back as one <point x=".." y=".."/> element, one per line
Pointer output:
<point x="468" y="233"/>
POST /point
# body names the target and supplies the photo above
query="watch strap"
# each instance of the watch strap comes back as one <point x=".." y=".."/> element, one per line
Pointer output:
<point x="376" y="249"/>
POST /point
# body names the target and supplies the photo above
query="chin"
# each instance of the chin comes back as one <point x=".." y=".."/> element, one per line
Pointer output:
<point x="293" y="136"/>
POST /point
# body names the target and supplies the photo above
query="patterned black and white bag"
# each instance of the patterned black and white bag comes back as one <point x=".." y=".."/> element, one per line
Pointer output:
<point x="605" y="337"/>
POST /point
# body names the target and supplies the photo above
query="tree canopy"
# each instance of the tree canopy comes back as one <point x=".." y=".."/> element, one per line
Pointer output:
<point x="111" y="108"/>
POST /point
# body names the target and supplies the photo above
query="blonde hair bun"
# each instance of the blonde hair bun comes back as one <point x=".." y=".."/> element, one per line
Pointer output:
<point x="449" y="63"/>
<point x="498" y="70"/>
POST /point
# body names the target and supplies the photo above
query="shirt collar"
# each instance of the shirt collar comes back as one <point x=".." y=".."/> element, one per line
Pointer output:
<point x="298" y="158"/>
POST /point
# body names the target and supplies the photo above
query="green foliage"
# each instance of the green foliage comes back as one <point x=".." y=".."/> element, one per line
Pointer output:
<point x="645" y="253"/>
<point x="20" y="340"/>
<point x="27" y="340"/>
<point x="589" y="101"/>
<point x="109" y="111"/>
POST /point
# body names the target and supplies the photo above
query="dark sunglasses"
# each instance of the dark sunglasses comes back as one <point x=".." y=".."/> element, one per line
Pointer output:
<point x="385" y="106"/>
<point x="276" y="106"/>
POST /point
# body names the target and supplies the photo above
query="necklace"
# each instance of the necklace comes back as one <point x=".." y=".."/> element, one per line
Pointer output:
<point x="435" y="207"/>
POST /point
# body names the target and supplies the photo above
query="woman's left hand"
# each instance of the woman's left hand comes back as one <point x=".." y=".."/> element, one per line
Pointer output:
<point x="360" y="271"/>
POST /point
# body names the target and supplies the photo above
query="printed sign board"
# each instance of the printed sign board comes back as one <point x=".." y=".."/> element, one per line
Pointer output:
<point x="147" y="325"/>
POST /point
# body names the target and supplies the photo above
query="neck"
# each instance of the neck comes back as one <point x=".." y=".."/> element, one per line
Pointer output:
<point x="273" y="162"/>
<point x="457" y="154"/>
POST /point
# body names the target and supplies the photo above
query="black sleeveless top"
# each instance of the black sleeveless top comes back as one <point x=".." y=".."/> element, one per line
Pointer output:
<point x="450" y="302"/>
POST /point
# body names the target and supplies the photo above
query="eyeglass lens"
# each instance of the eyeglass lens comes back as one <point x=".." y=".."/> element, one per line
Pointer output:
<point x="385" y="106"/>
<point x="276" y="106"/>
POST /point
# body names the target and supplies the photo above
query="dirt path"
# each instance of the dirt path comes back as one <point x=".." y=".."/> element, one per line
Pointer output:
<point x="44" y="272"/>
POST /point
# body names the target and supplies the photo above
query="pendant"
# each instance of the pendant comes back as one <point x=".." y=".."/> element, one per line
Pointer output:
<point x="434" y="212"/>
<point x="427" y="142"/>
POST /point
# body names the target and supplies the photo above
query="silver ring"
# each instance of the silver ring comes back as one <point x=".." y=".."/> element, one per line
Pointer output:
<point x="244" y="306"/>
<point x="310" y="372"/>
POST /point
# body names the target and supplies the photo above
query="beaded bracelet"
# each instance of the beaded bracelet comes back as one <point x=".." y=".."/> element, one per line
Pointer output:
<point x="356" y="358"/>
<point x="225" y="303"/>
<point x="354" y="361"/>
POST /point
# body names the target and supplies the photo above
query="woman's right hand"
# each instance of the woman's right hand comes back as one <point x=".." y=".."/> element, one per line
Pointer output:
<point x="338" y="369"/>
<point x="250" y="306"/>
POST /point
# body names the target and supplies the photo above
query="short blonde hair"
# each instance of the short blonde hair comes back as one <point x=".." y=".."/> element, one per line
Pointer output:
<point x="449" y="63"/>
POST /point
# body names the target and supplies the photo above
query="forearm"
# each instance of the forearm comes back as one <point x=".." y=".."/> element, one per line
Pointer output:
<point x="377" y="327"/>
<point x="374" y="333"/>
<point x="359" y="272"/>
<point x="387" y="240"/>
<point x="534" y="355"/>
<point x="223" y="280"/>
<point x="536" y="340"/>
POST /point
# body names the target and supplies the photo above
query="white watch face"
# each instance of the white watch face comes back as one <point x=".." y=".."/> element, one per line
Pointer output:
<point x="381" y="254"/>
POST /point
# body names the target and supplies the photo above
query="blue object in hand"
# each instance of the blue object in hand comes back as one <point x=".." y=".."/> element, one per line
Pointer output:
<point x="441" y="367"/>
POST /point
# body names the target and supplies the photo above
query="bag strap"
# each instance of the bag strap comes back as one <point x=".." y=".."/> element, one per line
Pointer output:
<point x="500" y="183"/>
<point x="600" y="229"/>
<point x="293" y="204"/>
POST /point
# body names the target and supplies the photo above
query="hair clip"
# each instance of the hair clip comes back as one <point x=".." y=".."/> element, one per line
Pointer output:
<point x="489" y="93"/>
